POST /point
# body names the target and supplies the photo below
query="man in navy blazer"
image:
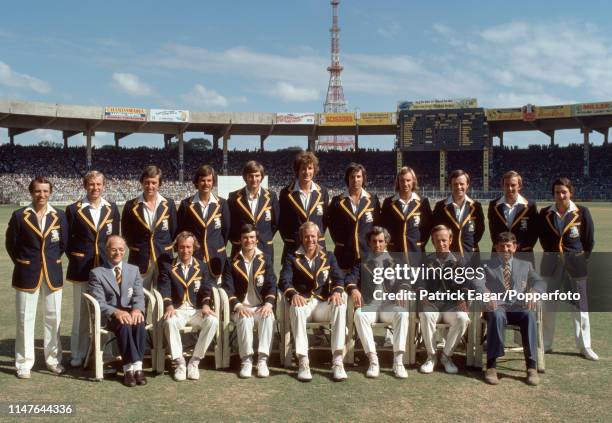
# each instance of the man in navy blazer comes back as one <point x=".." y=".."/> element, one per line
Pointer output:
<point x="148" y="224"/>
<point x="91" y="220"/>
<point x="117" y="287"/>
<point x="36" y="238"/>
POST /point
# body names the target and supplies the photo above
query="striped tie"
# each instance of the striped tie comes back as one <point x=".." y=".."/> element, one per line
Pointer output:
<point x="507" y="283"/>
<point x="118" y="275"/>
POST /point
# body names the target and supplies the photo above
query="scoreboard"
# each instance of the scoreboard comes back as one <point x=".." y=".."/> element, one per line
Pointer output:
<point x="443" y="129"/>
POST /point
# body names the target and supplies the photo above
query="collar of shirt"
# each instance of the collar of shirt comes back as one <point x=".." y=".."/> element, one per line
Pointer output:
<point x="120" y="266"/>
<point x="49" y="208"/>
<point x="450" y="200"/>
<point x="247" y="193"/>
<point x="182" y="265"/>
<point x="257" y="252"/>
<point x="313" y="186"/>
<point x="301" y="252"/>
<point x="519" y="200"/>
<point x="158" y="199"/>
<point x="450" y="257"/>
<point x="211" y="200"/>
<point x="86" y="203"/>
<point x="572" y="207"/>
<point x="413" y="196"/>
<point x="501" y="260"/>
<point x="364" y="194"/>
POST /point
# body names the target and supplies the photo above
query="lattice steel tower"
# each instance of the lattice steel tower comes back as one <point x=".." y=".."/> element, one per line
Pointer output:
<point x="335" y="102"/>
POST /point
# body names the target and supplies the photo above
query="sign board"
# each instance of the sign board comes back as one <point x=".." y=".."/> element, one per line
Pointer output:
<point x="125" y="113"/>
<point x="337" y="119"/>
<point x="295" y="118"/>
<point x="159" y="115"/>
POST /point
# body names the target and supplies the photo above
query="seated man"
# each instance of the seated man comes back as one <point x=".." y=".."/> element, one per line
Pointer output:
<point x="313" y="283"/>
<point x="186" y="287"/>
<point x="117" y="286"/>
<point x="360" y="286"/>
<point x="447" y="310"/>
<point x="250" y="284"/>
<point x="506" y="272"/>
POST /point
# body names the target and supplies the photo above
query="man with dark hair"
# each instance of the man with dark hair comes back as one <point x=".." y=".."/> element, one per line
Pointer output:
<point x="207" y="216"/>
<point x="350" y="216"/>
<point x="302" y="201"/>
<point x="250" y="284"/>
<point x="91" y="220"/>
<point x="148" y="224"/>
<point x="254" y="205"/>
<point x="36" y="238"/>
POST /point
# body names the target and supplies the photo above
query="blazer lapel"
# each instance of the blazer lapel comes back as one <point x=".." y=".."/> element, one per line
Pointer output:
<point x="314" y="201"/>
<point x="243" y="202"/>
<point x="262" y="203"/>
<point x="550" y="219"/>
<point x="32" y="222"/>
<point x="50" y="223"/>
<point x="521" y="210"/>
<point x="241" y="269"/>
<point x="85" y="214"/>
<point x="450" y="212"/>
<point x="346" y="206"/>
<point x="302" y="264"/>
<point x="106" y="213"/>
<point x="161" y="213"/>
<point x="499" y="212"/>
<point x="138" y="212"/>
<point x="397" y="207"/>
<point x="294" y="198"/>
<point x="569" y="220"/>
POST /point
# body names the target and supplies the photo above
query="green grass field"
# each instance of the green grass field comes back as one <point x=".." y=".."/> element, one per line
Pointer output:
<point x="571" y="388"/>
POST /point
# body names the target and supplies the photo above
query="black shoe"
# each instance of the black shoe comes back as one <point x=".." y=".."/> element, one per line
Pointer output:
<point x="140" y="377"/>
<point x="128" y="379"/>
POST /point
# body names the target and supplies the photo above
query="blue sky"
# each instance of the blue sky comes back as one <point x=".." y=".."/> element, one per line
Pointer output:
<point x="271" y="56"/>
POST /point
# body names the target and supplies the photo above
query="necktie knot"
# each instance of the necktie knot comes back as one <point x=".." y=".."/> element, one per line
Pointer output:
<point x="118" y="274"/>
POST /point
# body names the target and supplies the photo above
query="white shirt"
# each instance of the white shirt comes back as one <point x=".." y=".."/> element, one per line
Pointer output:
<point x="43" y="221"/>
<point x="185" y="267"/>
<point x="95" y="212"/>
<point x="458" y="210"/>
<point x="413" y="197"/>
<point x="310" y="262"/>
<point x="510" y="209"/>
<point x="253" y="201"/>
<point x="560" y="217"/>
<point x="204" y="206"/>
<point x="251" y="299"/>
<point x="354" y="206"/>
<point x="149" y="215"/>
<point x="305" y="195"/>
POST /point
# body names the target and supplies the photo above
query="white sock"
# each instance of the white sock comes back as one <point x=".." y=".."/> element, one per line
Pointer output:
<point x="194" y="361"/>
<point x="180" y="361"/>
<point x="373" y="358"/>
<point x="247" y="359"/>
<point x="137" y="366"/>
<point x="303" y="359"/>
<point x="128" y="367"/>
<point x="262" y="358"/>
<point x="337" y="358"/>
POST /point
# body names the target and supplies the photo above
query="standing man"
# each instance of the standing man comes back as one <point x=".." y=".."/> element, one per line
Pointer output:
<point x="254" y="205"/>
<point x="350" y="216"/>
<point x="514" y="213"/>
<point x="567" y="236"/>
<point x="186" y="287"/>
<point x="36" y="238"/>
<point x="250" y="284"/>
<point x="505" y="272"/>
<point x="91" y="220"/>
<point x="207" y="217"/>
<point x="313" y="284"/>
<point x="451" y="312"/>
<point x="148" y="224"/>
<point x="302" y="201"/>
<point x="117" y="287"/>
<point x="461" y="214"/>
<point x="406" y="215"/>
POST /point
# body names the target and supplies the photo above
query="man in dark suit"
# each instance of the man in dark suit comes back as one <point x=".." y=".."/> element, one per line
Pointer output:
<point x="36" y="238"/>
<point x="461" y="214"/>
<point x="91" y="220"/>
<point x="514" y="213"/>
<point x="148" y="224"/>
<point x="254" y="205"/>
<point x="207" y="217"/>
<point x="350" y="216"/>
<point x="117" y="287"/>
<point x="313" y="284"/>
<point x="302" y="201"/>
<point x="504" y="272"/>
<point x="250" y="284"/>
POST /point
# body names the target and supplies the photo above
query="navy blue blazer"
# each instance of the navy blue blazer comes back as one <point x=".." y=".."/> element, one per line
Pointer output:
<point x="525" y="225"/>
<point x="293" y="214"/>
<point x="467" y="233"/>
<point x="361" y="278"/>
<point x="36" y="253"/>
<point x="265" y="219"/>
<point x="320" y="282"/>
<point x="176" y="290"/>
<point x="410" y="232"/>
<point x="236" y="279"/>
<point x="348" y="230"/>
<point x="212" y="231"/>
<point x="86" y="242"/>
<point x="575" y="242"/>
<point x="143" y="243"/>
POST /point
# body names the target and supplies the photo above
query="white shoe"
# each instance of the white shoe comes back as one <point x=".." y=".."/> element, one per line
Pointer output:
<point x="180" y="374"/>
<point x="428" y="366"/>
<point x="56" y="369"/>
<point x="76" y="362"/>
<point x="262" y="368"/>
<point x="193" y="372"/>
<point x="373" y="370"/>
<point x="589" y="354"/>
<point x="23" y="374"/>
<point x="338" y="372"/>
<point x="304" y="371"/>
<point x="449" y="366"/>
<point x="246" y="369"/>
<point x="400" y="371"/>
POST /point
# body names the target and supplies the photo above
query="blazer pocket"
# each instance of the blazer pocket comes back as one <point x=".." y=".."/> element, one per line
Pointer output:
<point x="77" y="254"/>
<point x="22" y="261"/>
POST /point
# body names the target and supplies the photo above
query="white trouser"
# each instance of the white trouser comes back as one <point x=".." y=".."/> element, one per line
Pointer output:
<point x="245" y="326"/>
<point x="79" y="338"/>
<point x="149" y="279"/>
<point x="318" y="311"/>
<point x="26" y="303"/>
<point x="190" y="316"/>
<point x="457" y="320"/>
<point x="582" y="326"/>
<point x="397" y="316"/>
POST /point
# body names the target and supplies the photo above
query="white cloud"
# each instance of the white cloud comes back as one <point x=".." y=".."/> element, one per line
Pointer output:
<point x="131" y="84"/>
<point x="290" y="93"/>
<point x="390" y="31"/>
<point x="202" y="96"/>
<point x="13" y="79"/>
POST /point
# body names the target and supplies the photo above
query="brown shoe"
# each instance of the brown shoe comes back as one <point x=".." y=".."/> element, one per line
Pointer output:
<point x="533" y="378"/>
<point x="491" y="376"/>
<point x="128" y="379"/>
<point x="140" y="377"/>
